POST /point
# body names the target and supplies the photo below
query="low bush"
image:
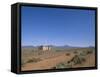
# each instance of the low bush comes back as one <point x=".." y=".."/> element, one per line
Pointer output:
<point x="67" y="54"/>
<point x="89" y="52"/>
<point x="33" y="60"/>
<point x="75" y="52"/>
<point x="22" y="62"/>
<point x="63" y="65"/>
<point x="60" y="65"/>
<point x="83" y="53"/>
<point x="77" y="59"/>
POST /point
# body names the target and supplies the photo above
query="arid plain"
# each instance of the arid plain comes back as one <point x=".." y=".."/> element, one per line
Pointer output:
<point x="57" y="58"/>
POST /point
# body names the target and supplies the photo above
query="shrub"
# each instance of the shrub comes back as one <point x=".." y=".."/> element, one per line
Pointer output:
<point x="89" y="52"/>
<point x="63" y="65"/>
<point x="83" y="59"/>
<point x="67" y="54"/>
<point x="83" y="53"/>
<point x="33" y="60"/>
<point x="68" y="65"/>
<point x="60" y="65"/>
<point x="53" y="68"/>
<point x="75" y="52"/>
<point x="22" y="63"/>
<point x="29" y="61"/>
<point x="68" y="61"/>
<point x="77" y="59"/>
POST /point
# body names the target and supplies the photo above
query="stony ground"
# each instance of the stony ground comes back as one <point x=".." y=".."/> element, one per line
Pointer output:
<point x="72" y="58"/>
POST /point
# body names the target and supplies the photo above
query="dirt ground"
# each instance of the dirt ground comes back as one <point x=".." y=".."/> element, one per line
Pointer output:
<point x="50" y="59"/>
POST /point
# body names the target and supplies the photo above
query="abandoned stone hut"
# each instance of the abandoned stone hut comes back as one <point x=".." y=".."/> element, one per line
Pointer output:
<point x="44" y="48"/>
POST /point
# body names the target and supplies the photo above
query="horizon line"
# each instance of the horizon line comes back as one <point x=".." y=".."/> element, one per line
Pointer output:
<point x="59" y="45"/>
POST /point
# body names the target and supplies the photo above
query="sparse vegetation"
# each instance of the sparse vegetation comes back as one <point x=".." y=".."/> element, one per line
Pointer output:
<point x="58" y="50"/>
<point x="63" y="65"/>
<point x="22" y="63"/>
<point x="60" y="65"/>
<point x="39" y="53"/>
<point x="75" y="52"/>
<point x="33" y="60"/>
<point x="84" y="53"/>
<point x="89" y="52"/>
<point x="67" y="54"/>
<point x="63" y="58"/>
<point x="77" y="59"/>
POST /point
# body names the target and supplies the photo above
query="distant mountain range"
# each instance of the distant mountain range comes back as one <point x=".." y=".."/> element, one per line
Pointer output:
<point x="54" y="46"/>
<point x="28" y="46"/>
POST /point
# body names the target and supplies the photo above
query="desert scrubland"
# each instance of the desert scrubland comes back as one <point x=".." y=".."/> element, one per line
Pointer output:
<point x="35" y="59"/>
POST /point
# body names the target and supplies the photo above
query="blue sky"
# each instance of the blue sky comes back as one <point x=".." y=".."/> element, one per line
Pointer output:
<point x="54" y="26"/>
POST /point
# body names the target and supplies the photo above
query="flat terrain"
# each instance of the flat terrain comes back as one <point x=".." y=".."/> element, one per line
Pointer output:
<point x="34" y="59"/>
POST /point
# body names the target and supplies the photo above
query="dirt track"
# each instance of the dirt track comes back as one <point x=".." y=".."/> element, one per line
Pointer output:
<point x="47" y="63"/>
<point x="50" y="59"/>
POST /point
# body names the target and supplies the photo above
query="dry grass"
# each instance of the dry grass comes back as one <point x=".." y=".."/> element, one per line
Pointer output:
<point x="71" y="58"/>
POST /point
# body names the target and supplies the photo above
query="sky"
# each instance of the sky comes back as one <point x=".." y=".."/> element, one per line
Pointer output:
<point x="54" y="26"/>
